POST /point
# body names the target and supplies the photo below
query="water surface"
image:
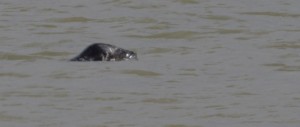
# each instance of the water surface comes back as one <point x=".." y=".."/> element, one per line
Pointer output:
<point x="202" y="63"/>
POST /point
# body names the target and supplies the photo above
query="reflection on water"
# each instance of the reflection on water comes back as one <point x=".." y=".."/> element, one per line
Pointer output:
<point x="201" y="63"/>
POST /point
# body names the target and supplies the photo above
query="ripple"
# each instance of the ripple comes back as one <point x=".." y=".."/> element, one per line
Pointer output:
<point x="145" y="20"/>
<point x="36" y="93"/>
<point x="187" y="1"/>
<point x="117" y="2"/>
<point x="276" y="14"/>
<point x="289" y="68"/>
<point x="180" y="125"/>
<point x="229" y="31"/>
<point x="228" y="115"/>
<point x="188" y="74"/>
<point x="70" y="19"/>
<point x="283" y="67"/>
<point x="44" y="25"/>
<point x="6" y="117"/>
<point x="33" y="56"/>
<point x="51" y="53"/>
<point x="217" y="107"/>
<point x="168" y="35"/>
<point x="113" y="19"/>
<point x="13" y="74"/>
<point x="160" y="26"/>
<point x="45" y="45"/>
<point x="18" y="9"/>
<point x="158" y="50"/>
<point x="143" y="73"/>
<point x="13" y="56"/>
<point x="160" y="100"/>
<point x="64" y="75"/>
<point x="243" y="93"/>
<point x="217" y="17"/>
<point x="148" y="6"/>
<point x="102" y="98"/>
<point x="284" y="45"/>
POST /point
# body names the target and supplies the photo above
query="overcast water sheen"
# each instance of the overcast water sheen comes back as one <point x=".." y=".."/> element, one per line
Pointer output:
<point x="202" y="63"/>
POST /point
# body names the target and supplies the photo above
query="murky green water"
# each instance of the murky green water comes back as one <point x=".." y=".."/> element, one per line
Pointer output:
<point x="202" y="63"/>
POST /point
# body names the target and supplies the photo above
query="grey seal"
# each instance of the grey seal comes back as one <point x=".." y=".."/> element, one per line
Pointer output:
<point x="105" y="52"/>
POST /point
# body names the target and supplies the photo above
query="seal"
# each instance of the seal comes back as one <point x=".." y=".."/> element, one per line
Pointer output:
<point x="105" y="52"/>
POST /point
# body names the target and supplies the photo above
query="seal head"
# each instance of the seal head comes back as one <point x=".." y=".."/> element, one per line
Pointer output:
<point x="105" y="52"/>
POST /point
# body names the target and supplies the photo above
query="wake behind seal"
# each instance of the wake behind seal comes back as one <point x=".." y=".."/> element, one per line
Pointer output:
<point x="105" y="52"/>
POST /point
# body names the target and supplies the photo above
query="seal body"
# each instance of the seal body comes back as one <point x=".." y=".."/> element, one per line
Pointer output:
<point x="104" y="52"/>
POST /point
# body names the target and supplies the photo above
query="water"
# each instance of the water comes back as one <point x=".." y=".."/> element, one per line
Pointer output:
<point x="202" y="63"/>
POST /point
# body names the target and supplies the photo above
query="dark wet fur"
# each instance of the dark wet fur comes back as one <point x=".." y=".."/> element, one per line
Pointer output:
<point x="104" y="52"/>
